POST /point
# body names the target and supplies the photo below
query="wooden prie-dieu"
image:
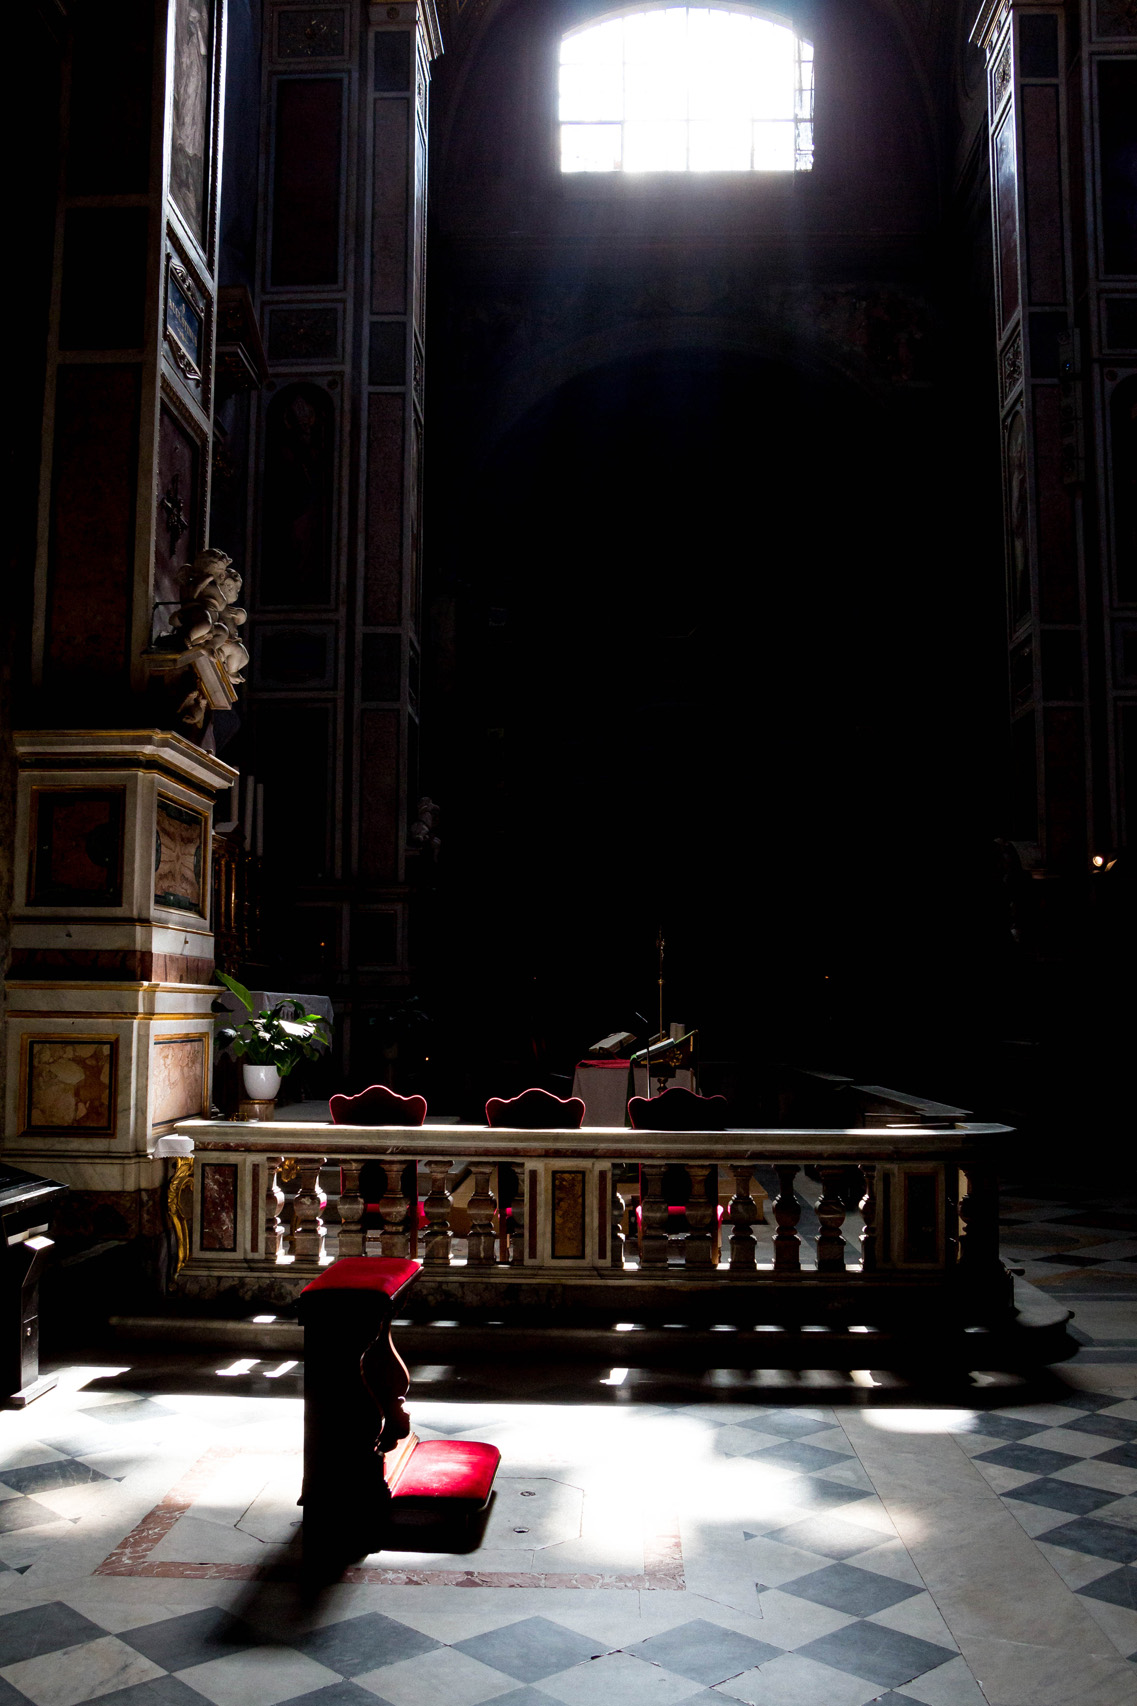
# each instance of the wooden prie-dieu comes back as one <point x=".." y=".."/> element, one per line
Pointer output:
<point x="366" y="1475"/>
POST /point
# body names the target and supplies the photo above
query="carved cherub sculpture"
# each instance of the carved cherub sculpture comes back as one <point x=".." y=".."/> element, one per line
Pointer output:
<point x="209" y="586"/>
<point x="209" y="617"/>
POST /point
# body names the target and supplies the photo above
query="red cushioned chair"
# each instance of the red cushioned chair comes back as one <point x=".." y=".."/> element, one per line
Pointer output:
<point x="536" y="1110"/>
<point x="681" y="1110"/>
<point x="363" y="1467"/>
<point x="533" y="1110"/>
<point x="379" y="1105"/>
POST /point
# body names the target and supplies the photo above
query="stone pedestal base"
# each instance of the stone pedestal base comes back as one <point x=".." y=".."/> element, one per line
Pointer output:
<point x="253" y="1108"/>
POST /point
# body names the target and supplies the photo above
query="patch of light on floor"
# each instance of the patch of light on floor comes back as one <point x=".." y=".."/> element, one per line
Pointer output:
<point x="243" y="1365"/>
<point x="919" y="1421"/>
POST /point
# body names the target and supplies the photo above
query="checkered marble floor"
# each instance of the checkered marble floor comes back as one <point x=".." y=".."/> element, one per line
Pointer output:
<point x="1082" y="1247"/>
<point x="837" y="1539"/>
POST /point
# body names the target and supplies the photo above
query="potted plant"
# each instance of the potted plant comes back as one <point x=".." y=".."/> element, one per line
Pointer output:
<point x="270" y="1043"/>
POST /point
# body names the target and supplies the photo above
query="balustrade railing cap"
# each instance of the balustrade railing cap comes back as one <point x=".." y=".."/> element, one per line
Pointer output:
<point x="740" y="1143"/>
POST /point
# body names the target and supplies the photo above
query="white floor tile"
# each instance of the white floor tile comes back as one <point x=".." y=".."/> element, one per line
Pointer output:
<point x="618" y="1679"/>
<point x="437" y="1677"/>
<point x="790" y="1622"/>
<point x="795" y="1681"/>
<point x="948" y="1685"/>
<point x="260" y="1676"/>
<point x="81" y="1673"/>
<point x="917" y="1616"/>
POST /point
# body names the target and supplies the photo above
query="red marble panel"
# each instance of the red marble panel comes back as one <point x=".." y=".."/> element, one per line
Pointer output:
<point x="218" y="1206"/>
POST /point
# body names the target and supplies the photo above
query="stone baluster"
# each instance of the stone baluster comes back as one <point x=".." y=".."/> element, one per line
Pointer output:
<point x="351" y="1209"/>
<point x="742" y="1213"/>
<point x="274" y="1204"/>
<point x="393" y="1210"/>
<point x="307" y="1212"/>
<point x="787" y="1213"/>
<point x="619" y="1208"/>
<point x="698" y="1244"/>
<point x="437" y="1207"/>
<point x="867" y="1206"/>
<point x="653" y="1217"/>
<point x="480" y="1244"/>
<point x="517" y="1220"/>
<point x="831" y="1214"/>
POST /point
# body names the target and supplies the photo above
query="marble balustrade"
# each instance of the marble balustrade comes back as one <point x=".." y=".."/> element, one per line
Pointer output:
<point x="894" y="1207"/>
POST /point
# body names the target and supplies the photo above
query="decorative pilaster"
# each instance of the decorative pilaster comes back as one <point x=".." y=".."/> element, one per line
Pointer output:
<point x="337" y="518"/>
<point x="1041" y="358"/>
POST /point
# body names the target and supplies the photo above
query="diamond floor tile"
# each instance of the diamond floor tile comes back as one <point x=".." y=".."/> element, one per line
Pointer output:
<point x="1031" y="1459"/>
<point x="848" y="1588"/>
<point x="1105" y="1427"/>
<point x="789" y="1423"/>
<point x="881" y="1655"/>
<point x="442" y="1676"/>
<point x="46" y="1477"/>
<point x="175" y="1643"/>
<point x="1118" y="1588"/>
<point x="533" y="1648"/>
<point x="336" y="1694"/>
<point x="1097" y="1539"/>
<point x="43" y="1629"/>
<point x="74" y="1674"/>
<point x="1125" y="1456"/>
<point x="619" y="1679"/>
<point x="706" y="1652"/>
<point x="161" y="1691"/>
<point x="259" y="1676"/>
<point x="795" y="1454"/>
<point x="830" y="1535"/>
<point x="20" y="1512"/>
<point x="359" y="1644"/>
<point x="132" y="1410"/>
<point x="1061" y="1496"/>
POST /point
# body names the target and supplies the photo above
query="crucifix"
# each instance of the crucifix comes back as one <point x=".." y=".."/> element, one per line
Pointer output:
<point x="171" y="503"/>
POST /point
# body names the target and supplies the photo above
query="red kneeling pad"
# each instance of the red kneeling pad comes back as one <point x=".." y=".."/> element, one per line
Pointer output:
<point x="366" y="1273"/>
<point x="458" y="1470"/>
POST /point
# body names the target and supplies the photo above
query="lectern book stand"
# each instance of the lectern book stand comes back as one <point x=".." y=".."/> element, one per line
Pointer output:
<point x="367" y="1478"/>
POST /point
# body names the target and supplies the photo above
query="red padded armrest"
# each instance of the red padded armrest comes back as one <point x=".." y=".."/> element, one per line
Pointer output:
<point x="365" y="1273"/>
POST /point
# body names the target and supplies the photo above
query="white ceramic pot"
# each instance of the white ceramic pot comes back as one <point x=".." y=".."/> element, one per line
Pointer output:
<point x="261" y="1082"/>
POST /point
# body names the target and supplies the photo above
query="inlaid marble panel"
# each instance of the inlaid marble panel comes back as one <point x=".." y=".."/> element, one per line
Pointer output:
<point x="76" y="847"/>
<point x="177" y="1078"/>
<point x="568" y="1214"/>
<point x="179" y="857"/>
<point x="218" y="1206"/>
<point x="70" y="1085"/>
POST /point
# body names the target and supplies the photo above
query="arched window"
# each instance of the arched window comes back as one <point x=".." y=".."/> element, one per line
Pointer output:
<point x="686" y="89"/>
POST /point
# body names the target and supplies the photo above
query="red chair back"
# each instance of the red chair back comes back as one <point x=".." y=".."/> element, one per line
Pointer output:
<point x="536" y="1110"/>
<point x="377" y="1105"/>
<point x="678" y="1110"/>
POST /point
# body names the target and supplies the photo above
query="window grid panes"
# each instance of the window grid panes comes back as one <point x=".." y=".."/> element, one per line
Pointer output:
<point x="686" y="89"/>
